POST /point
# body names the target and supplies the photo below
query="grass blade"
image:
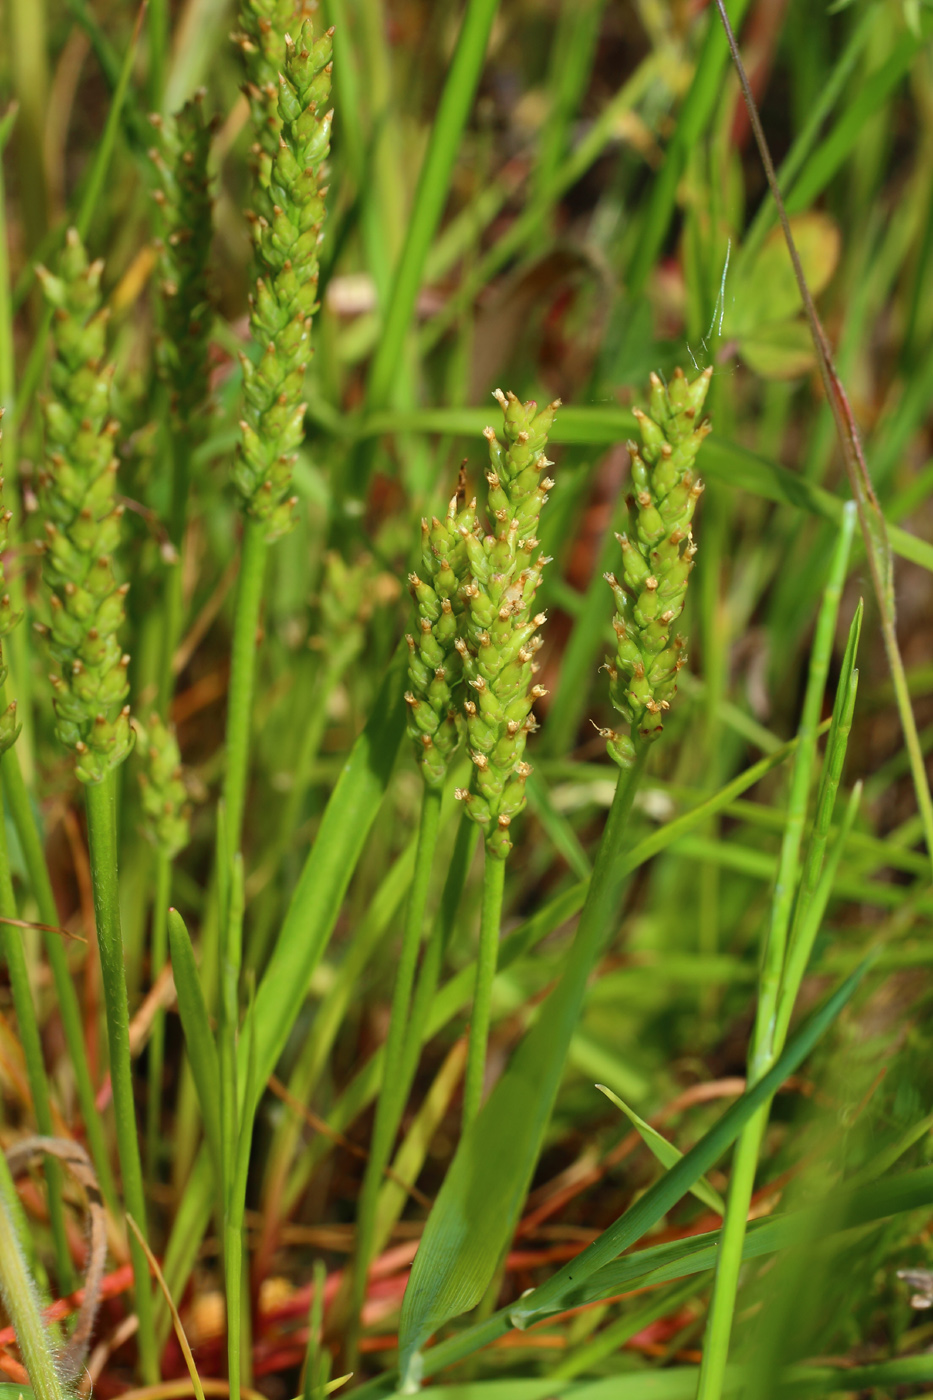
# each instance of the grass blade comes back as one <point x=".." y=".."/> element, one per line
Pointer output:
<point x="479" y="1203"/>
<point x="675" y="1183"/>
<point x="665" y="1152"/>
<point x="871" y="518"/>
<point x="202" y="1051"/>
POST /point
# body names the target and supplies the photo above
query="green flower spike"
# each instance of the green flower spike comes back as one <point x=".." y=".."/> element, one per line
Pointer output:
<point x="180" y="157"/>
<point x="657" y="557"/>
<point x="261" y="39"/>
<point x="501" y="629"/>
<point x="82" y="523"/>
<point x="435" y="667"/>
<point x="287" y="232"/>
<point x="9" y="729"/>
<point x="164" y="795"/>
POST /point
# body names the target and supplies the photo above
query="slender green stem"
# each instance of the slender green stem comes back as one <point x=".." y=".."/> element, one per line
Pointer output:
<point x="490" y="922"/>
<point x="729" y="1258"/>
<point x="157" y="27"/>
<point x="874" y="528"/>
<point x="391" y="1102"/>
<point x="19" y="1295"/>
<point x="431" y="195"/>
<point x="695" y="115"/>
<point x="172" y="599"/>
<point x="93" y="188"/>
<point x="102" y="841"/>
<point x="69" y="1008"/>
<point x="429" y="974"/>
<point x="17" y="644"/>
<point x="230" y="954"/>
<point x="312" y="719"/>
<point x="765" y="1047"/>
<point x="29" y="70"/>
<point x="31" y="1041"/>
<point x="163" y="897"/>
<point x="242" y="675"/>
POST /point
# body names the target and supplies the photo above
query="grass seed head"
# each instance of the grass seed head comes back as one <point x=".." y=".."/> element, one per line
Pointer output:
<point x="180" y="157"/>
<point x="164" y="795"/>
<point x="501" y="619"/>
<point x="436" y="652"/>
<point x="286" y="243"/>
<point x="82" y="523"/>
<point x="657" y="558"/>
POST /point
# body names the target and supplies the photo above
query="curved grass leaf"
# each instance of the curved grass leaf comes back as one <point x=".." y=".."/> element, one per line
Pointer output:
<point x="308" y="924"/>
<point x="665" y="1152"/>
<point x="199" y="1039"/>
<point x="475" y="1212"/>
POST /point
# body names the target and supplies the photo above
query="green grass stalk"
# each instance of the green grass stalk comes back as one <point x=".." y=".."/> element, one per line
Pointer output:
<point x="431" y="195"/>
<point x="695" y="115"/>
<point x="21" y="810"/>
<point x="243" y="675"/>
<point x="17" y="645"/>
<point x="157" y="35"/>
<point x="765" y="1048"/>
<point x="230" y="1117"/>
<point x="22" y="1304"/>
<point x="874" y="529"/>
<point x="31" y="1041"/>
<point x="490" y="922"/>
<point x="156" y="1057"/>
<point x="102" y="842"/>
<point x="391" y="1102"/>
<point x="29" y="72"/>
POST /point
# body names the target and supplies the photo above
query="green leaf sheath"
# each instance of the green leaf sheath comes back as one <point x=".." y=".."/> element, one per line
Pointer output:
<point x="657" y="557"/>
<point x="501" y="629"/>
<point x="77" y="488"/>
<point x="435" y="666"/>
<point x="286" y="237"/>
<point x="180" y="155"/>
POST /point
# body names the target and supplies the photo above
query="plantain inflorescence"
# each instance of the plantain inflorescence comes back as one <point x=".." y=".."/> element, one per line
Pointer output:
<point x="286" y="236"/>
<point x="77" y="490"/>
<point x="164" y="795"/>
<point x="501" y="627"/>
<point x="435" y="666"/>
<point x="180" y="157"/>
<point x="657" y="558"/>
<point x="9" y="729"/>
<point x="261" y="39"/>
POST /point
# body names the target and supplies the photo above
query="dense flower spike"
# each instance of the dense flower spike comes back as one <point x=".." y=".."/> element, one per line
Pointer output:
<point x="82" y="523"/>
<point x="287" y="232"/>
<point x="657" y="557"/>
<point x="164" y="795"/>
<point x="435" y="666"/>
<point x="501" y="629"/>
<point x="9" y="728"/>
<point x="261" y="38"/>
<point x="180" y="157"/>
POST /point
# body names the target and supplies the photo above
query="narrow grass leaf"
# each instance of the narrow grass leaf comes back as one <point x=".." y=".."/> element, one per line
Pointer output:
<point x="319" y="893"/>
<point x="666" y="1153"/>
<point x="202" y="1051"/>
<point x="176" y="1320"/>
<point x="309" y="921"/>
<point x="675" y="1183"/>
